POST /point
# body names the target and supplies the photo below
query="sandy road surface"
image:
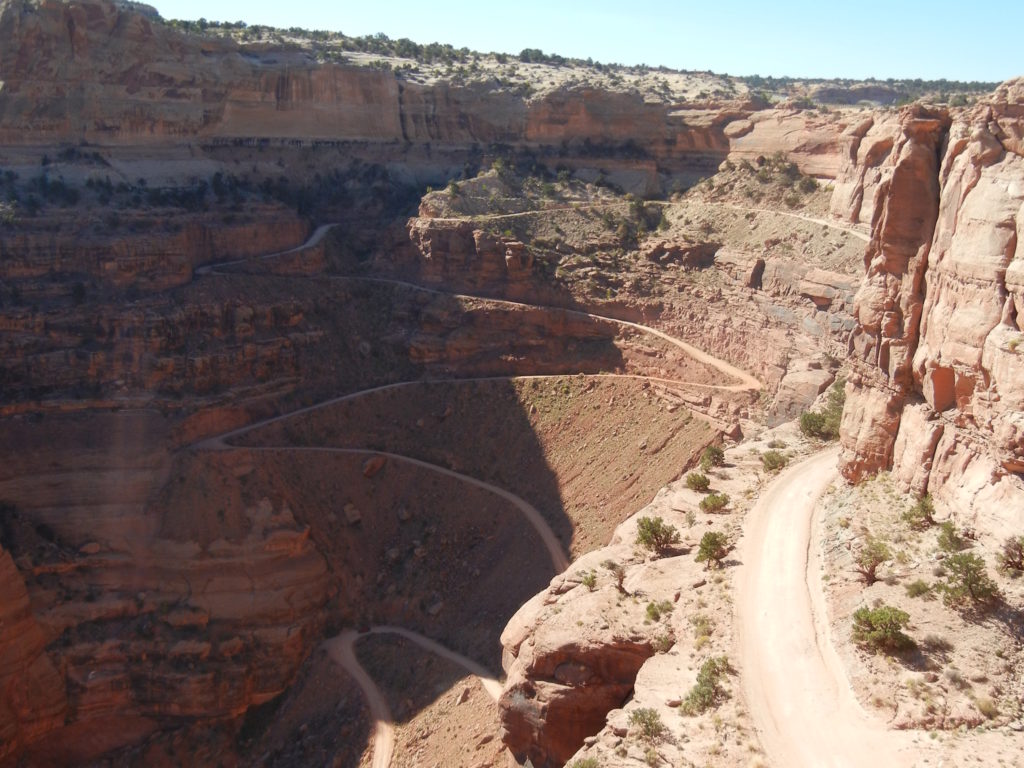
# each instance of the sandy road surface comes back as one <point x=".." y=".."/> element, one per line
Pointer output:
<point x="795" y="685"/>
<point x="342" y="650"/>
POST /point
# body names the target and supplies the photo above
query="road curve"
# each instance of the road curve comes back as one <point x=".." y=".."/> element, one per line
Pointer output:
<point x="554" y="547"/>
<point x="341" y="649"/>
<point x="794" y="683"/>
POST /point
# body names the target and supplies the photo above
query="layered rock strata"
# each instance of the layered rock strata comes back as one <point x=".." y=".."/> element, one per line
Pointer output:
<point x="936" y="393"/>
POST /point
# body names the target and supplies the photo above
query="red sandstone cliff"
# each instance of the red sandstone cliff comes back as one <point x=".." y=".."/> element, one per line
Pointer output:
<point x="936" y="393"/>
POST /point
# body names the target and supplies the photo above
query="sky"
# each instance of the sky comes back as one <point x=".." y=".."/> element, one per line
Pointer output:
<point x="897" y="38"/>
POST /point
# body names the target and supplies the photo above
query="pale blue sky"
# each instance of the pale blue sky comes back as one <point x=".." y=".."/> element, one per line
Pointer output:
<point x="938" y="39"/>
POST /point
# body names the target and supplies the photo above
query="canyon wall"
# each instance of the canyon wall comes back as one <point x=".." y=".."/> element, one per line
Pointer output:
<point x="92" y="71"/>
<point x="936" y="392"/>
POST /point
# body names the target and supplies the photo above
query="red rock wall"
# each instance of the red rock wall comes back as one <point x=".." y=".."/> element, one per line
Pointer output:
<point x="137" y="80"/>
<point x="937" y="393"/>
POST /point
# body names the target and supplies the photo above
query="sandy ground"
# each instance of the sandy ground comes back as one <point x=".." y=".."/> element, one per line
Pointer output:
<point x="796" y="686"/>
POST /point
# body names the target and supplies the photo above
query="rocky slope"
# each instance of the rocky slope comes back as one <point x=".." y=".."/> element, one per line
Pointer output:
<point x="936" y="392"/>
<point x="156" y="594"/>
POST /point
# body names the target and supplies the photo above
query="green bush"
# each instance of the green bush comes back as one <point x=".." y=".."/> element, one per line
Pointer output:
<point x="586" y="762"/>
<point x="807" y="184"/>
<point x="654" y="534"/>
<point x="881" y="628"/>
<point x="714" y="502"/>
<point x="824" y="425"/>
<point x="648" y="722"/>
<point x="772" y="461"/>
<point x="872" y="554"/>
<point x="708" y="691"/>
<point x="618" y="572"/>
<point x="589" y="580"/>
<point x="950" y="539"/>
<point x="967" y="580"/>
<point x="714" y="546"/>
<point x="656" y="610"/>
<point x="697" y="481"/>
<point x="919" y="588"/>
<point x="713" y="456"/>
<point x="921" y="515"/>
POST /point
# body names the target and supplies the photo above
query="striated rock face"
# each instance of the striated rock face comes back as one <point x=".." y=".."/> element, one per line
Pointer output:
<point x="158" y="607"/>
<point x="34" y="700"/>
<point x="816" y="143"/>
<point x="937" y="391"/>
<point x="150" y="261"/>
<point x="458" y="255"/>
<point x="137" y="79"/>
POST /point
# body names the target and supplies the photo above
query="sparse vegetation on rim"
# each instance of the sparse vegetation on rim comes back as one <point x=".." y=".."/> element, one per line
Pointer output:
<point x="654" y="534"/>
<point x="708" y="691"/>
<point x="714" y="548"/>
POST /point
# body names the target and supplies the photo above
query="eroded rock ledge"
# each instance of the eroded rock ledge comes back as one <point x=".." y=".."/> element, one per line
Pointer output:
<point x="936" y="392"/>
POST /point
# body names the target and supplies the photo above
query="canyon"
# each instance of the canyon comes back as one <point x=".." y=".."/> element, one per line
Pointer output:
<point x="299" y="355"/>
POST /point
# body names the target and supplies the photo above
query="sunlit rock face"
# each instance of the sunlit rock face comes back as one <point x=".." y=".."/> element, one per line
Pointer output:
<point x="937" y="391"/>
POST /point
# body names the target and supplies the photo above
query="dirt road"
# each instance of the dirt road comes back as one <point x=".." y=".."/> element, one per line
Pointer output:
<point x="342" y="650"/>
<point x="795" y="685"/>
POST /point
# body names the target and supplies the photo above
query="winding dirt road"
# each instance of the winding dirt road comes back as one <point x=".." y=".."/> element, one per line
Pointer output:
<point x="812" y="219"/>
<point x="342" y="650"/>
<point x="342" y="647"/>
<point x="795" y="685"/>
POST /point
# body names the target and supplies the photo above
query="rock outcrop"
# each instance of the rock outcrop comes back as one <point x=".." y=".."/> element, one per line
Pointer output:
<point x="34" y="700"/>
<point x="147" y="605"/>
<point x="139" y="80"/>
<point x="936" y="393"/>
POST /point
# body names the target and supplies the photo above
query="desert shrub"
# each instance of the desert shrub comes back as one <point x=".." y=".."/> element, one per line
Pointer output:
<point x="824" y="425"/>
<point x="988" y="708"/>
<point x="703" y="627"/>
<point x="714" y="546"/>
<point x="714" y="502"/>
<point x="589" y="580"/>
<point x="707" y="691"/>
<point x="919" y="588"/>
<point x="655" y="534"/>
<point x="1011" y="557"/>
<point x="663" y="643"/>
<point x="921" y="515"/>
<point x="655" y="610"/>
<point x="617" y="571"/>
<point x="881" y="628"/>
<point x="807" y="184"/>
<point x="697" y="481"/>
<point x="967" y="581"/>
<point x="586" y="762"/>
<point x="772" y="461"/>
<point x="872" y="554"/>
<point x="950" y="539"/>
<point x="713" y="456"/>
<point x="648" y="722"/>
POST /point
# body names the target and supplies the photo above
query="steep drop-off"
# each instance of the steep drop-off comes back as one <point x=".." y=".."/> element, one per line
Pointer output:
<point x="936" y="393"/>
